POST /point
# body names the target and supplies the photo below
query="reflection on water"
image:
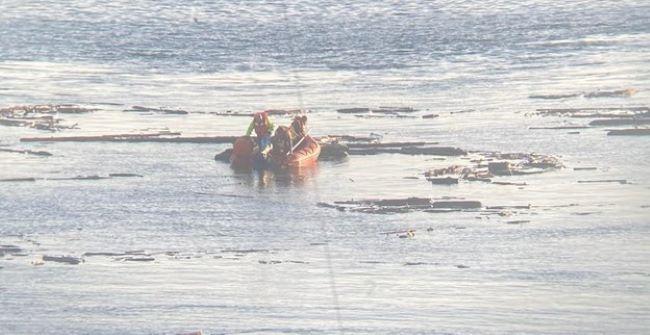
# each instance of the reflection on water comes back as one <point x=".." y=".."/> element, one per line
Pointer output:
<point x="281" y="178"/>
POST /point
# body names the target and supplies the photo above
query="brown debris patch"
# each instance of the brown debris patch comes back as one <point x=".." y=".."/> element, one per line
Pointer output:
<point x="40" y="117"/>
<point x="498" y="164"/>
<point x="47" y="109"/>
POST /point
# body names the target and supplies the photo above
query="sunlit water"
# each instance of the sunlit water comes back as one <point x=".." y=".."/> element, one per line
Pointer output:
<point x="571" y="269"/>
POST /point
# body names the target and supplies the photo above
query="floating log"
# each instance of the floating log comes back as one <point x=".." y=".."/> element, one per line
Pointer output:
<point x="135" y="138"/>
<point x="630" y="132"/>
<point x="9" y="249"/>
<point x="124" y="175"/>
<point x="620" y="181"/>
<point x="353" y="110"/>
<point x="17" y="179"/>
<point x="156" y="110"/>
<point x="610" y="115"/>
<point x="393" y="110"/>
<point x="509" y="183"/>
<point x="443" y="181"/>
<point x="386" y="115"/>
<point x="430" y="116"/>
<point x="91" y="177"/>
<point x="508" y="207"/>
<point x="231" y="114"/>
<point x="558" y="127"/>
<point x="413" y="202"/>
<point x="48" y="109"/>
<point x="597" y="94"/>
<point x="14" y="123"/>
<point x="25" y="151"/>
<point x="628" y="92"/>
<point x="463" y="111"/>
<point x="457" y="204"/>
<point x="268" y="111"/>
<point x="333" y="151"/>
<point x="389" y="144"/>
<point x="101" y="253"/>
<point x="555" y="96"/>
<point x="433" y="151"/>
<point x="578" y="110"/>
<point x="137" y="259"/>
<point x="500" y="168"/>
<point x="63" y="259"/>
<point x="620" y="122"/>
<point x="351" y="138"/>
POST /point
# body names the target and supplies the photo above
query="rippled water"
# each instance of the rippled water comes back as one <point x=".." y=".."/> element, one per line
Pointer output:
<point x="578" y="265"/>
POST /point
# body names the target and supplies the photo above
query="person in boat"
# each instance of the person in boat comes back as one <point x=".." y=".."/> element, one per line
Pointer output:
<point x="298" y="127"/>
<point x="263" y="127"/>
<point x="288" y="137"/>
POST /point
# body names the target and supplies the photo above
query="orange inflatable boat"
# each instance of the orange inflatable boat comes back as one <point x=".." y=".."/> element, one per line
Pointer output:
<point x="243" y="153"/>
<point x="305" y="155"/>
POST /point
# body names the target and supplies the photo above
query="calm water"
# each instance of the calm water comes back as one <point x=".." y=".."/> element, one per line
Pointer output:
<point x="217" y="235"/>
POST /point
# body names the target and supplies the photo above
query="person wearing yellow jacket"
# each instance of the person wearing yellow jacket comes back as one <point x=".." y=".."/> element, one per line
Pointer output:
<point x="263" y="127"/>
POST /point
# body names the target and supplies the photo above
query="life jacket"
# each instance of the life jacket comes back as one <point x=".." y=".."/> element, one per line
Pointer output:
<point x="262" y="128"/>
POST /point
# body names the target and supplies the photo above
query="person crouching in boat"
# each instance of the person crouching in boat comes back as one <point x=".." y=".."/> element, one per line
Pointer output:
<point x="298" y="127"/>
<point x="263" y="127"/>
